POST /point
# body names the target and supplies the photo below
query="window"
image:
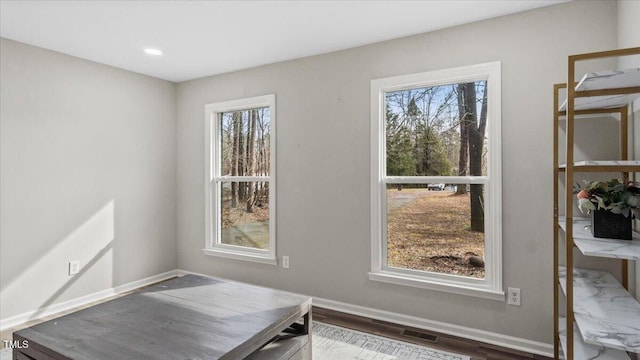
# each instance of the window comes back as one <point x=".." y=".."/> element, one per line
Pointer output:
<point x="436" y="180"/>
<point x="240" y="179"/>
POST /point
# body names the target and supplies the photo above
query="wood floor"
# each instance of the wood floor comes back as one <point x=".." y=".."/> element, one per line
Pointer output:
<point x="476" y="350"/>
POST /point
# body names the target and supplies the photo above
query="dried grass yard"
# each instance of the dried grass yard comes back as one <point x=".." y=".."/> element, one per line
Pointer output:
<point x="430" y="230"/>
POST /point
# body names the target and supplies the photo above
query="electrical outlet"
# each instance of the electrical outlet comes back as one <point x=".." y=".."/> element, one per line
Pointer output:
<point x="285" y="261"/>
<point x="513" y="296"/>
<point x="74" y="267"/>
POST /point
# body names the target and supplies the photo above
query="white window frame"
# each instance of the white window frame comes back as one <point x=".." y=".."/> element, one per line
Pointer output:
<point x="491" y="286"/>
<point x="213" y="245"/>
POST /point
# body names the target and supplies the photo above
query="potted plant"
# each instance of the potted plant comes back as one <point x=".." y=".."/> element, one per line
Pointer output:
<point x="612" y="205"/>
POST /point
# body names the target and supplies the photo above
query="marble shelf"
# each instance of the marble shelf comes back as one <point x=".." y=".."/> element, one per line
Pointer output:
<point x="601" y="102"/>
<point x="600" y="247"/>
<point x="606" y="314"/>
<point x="581" y="350"/>
<point x="604" y="166"/>
<point x="603" y="80"/>
<point x="609" y="79"/>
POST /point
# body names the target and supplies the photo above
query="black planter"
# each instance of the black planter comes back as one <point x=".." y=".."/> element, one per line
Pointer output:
<point x="605" y="224"/>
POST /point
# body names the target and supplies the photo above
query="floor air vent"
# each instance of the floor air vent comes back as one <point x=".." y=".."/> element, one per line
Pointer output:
<point x="421" y="336"/>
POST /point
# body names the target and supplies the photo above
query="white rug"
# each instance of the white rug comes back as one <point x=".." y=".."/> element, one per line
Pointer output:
<point x="337" y="343"/>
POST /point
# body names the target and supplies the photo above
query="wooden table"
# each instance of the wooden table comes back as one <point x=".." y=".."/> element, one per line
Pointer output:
<point x="191" y="317"/>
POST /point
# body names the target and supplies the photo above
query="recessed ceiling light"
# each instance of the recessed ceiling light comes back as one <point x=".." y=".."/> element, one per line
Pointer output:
<point x="152" y="51"/>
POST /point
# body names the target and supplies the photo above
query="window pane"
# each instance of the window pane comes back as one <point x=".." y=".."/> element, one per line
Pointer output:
<point x="437" y="131"/>
<point x="431" y="228"/>
<point x="245" y="214"/>
<point x="244" y="142"/>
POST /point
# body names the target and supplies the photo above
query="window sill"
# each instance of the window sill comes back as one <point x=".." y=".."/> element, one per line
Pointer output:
<point x="238" y="255"/>
<point x="425" y="283"/>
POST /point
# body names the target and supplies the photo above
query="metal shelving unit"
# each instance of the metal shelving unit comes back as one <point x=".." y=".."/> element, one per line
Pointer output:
<point x="601" y="320"/>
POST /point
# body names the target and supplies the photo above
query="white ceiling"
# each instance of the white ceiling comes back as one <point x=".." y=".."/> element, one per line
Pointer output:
<point x="201" y="38"/>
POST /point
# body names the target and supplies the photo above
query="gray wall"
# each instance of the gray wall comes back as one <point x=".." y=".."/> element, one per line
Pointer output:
<point x="628" y="33"/>
<point x="323" y="162"/>
<point x="87" y="172"/>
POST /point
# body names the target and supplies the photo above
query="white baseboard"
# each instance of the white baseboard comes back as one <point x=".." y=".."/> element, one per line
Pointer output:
<point x="506" y="341"/>
<point x="510" y="342"/>
<point x="81" y="301"/>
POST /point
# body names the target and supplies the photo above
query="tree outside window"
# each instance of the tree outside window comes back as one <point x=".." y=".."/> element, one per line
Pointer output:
<point x="436" y="180"/>
<point x="240" y="179"/>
